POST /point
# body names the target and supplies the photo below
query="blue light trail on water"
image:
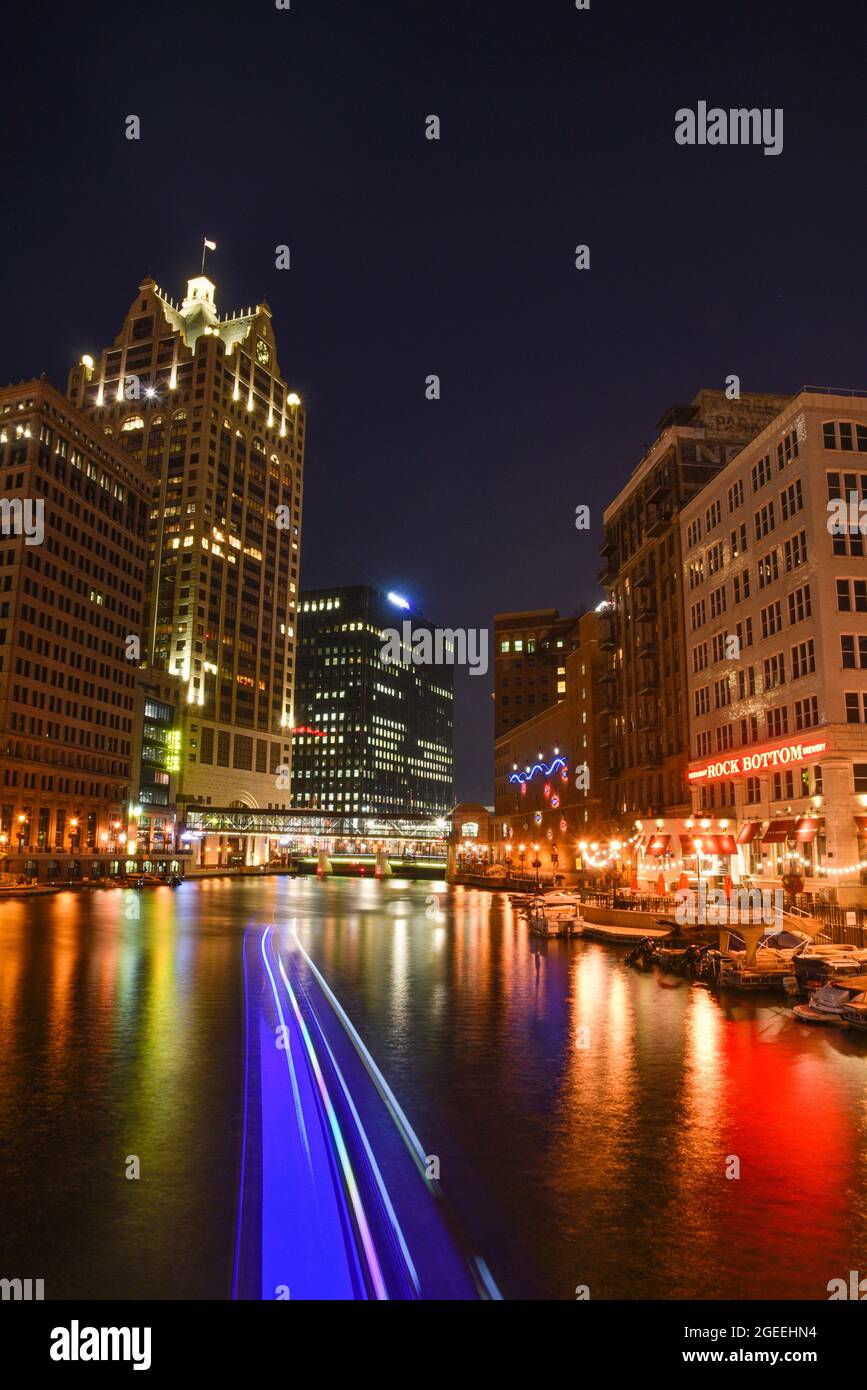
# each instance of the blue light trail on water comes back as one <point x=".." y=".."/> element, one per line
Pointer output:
<point x="327" y="1209"/>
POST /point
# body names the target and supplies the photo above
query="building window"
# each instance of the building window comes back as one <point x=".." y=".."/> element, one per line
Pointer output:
<point x="760" y="473"/>
<point x="856" y="706"/>
<point x="852" y="595"/>
<point x="754" y="790"/>
<point x="844" y="435"/>
<point x="803" y="659"/>
<point x="778" y="721"/>
<point x="800" y="606"/>
<point x="806" y="713"/>
<point x="853" y="652"/>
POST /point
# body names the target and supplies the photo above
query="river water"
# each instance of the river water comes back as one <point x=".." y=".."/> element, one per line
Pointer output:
<point x="589" y="1120"/>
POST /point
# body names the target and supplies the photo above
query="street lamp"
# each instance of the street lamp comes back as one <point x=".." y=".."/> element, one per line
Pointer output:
<point x="522" y="850"/>
<point x="73" y="835"/>
<point x="22" y="821"/>
<point x="537" y="864"/>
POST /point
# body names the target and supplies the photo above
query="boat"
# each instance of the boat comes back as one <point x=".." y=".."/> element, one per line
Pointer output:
<point x="827" y="1003"/>
<point x="553" y="924"/>
<point x="547" y="918"/>
<point x="805" y="1013"/>
<point x="854" y="1011"/>
<point x="817" y="963"/>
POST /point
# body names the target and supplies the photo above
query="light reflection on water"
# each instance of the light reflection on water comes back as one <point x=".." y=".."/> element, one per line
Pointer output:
<point x="584" y="1114"/>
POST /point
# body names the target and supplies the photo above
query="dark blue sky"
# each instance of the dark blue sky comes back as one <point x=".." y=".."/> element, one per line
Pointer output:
<point x="306" y="127"/>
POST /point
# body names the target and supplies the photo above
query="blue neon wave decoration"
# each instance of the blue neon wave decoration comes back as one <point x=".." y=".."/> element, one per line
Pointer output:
<point x="539" y="767"/>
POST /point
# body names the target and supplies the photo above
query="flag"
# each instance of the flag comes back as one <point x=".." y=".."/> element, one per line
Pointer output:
<point x="210" y="245"/>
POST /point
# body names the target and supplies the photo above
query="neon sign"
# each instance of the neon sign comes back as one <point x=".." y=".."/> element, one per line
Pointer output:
<point x="743" y="764"/>
<point x="539" y="767"/>
<point x="305" y="729"/>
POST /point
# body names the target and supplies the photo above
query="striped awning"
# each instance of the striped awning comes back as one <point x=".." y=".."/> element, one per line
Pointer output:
<point x="777" y="831"/>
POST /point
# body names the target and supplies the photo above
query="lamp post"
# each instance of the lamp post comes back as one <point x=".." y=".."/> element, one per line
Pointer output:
<point x="73" y="835"/>
<point x="4" y="840"/>
<point x="537" y="864"/>
<point x="522" y="850"/>
<point x="22" y="822"/>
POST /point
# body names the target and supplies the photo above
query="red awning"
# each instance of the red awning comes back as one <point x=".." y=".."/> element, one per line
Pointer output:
<point x="777" y="831"/>
<point x="748" y="831"/>
<point x="726" y="844"/>
<point x="861" y="823"/>
<point x="709" y="844"/>
<point x="687" y="844"/>
<point x="658" y="845"/>
<point x="806" y="831"/>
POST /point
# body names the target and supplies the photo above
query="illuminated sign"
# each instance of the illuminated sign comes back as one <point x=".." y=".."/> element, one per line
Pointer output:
<point x="746" y="764"/>
<point x="524" y="777"/>
<point x="470" y="828"/>
<point x="305" y="729"/>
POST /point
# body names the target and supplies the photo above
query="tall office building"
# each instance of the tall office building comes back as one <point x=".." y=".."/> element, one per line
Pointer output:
<point x="198" y="399"/>
<point x="372" y="737"/>
<point x="74" y="511"/>
<point x="645" y="687"/>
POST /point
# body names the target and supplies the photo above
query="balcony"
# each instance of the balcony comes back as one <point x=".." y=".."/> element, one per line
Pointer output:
<point x="648" y="675"/>
<point x="652" y="758"/>
<point x="661" y="522"/>
<point x="660" y="487"/>
<point x="648" y="611"/>
<point x="607" y="574"/>
<point x="648" y="721"/>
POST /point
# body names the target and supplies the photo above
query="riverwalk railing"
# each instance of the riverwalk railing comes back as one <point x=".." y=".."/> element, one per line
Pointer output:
<point x="842" y="926"/>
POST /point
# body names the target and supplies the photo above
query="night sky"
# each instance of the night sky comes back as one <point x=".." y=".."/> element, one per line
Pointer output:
<point x="306" y="127"/>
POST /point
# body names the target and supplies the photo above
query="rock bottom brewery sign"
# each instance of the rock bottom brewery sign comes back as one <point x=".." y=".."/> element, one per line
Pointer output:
<point x="744" y="764"/>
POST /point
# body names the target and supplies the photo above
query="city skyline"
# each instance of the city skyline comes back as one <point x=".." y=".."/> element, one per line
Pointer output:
<point x="457" y="257"/>
<point x="433" y="673"/>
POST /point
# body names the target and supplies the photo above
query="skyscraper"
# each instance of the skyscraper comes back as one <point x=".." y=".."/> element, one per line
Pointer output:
<point x="372" y="737"/>
<point x="199" y="399"/>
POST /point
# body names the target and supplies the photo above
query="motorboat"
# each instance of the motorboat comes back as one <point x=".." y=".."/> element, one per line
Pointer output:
<point x="854" y="1011"/>
<point x="817" y="963"/>
<point x="552" y="924"/>
<point x="553" y="918"/>
<point x="827" y="1003"/>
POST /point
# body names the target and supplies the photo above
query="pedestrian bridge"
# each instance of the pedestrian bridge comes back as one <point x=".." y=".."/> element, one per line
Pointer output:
<point x="315" y="825"/>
